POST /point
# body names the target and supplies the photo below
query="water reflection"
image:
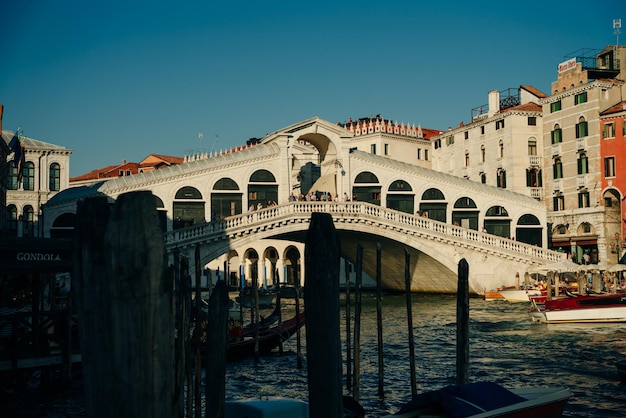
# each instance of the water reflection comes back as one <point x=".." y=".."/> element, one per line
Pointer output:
<point x="505" y="347"/>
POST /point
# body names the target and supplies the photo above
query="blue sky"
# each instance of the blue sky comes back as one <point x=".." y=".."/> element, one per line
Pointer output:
<point x="117" y="80"/>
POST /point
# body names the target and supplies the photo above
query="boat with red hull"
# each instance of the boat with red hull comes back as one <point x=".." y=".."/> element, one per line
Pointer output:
<point x="581" y="308"/>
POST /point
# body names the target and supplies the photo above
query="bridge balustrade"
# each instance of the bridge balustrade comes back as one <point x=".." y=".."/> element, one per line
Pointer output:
<point x="300" y="211"/>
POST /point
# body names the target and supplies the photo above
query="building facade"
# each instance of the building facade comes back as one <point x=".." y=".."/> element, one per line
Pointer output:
<point x="41" y="173"/>
<point x="501" y="146"/>
<point x="581" y="210"/>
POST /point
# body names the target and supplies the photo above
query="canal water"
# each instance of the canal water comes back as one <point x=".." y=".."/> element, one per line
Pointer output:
<point x="505" y="347"/>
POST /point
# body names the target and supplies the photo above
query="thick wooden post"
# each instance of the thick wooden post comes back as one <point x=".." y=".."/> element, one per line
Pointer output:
<point x="217" y="344"/>
<point x="409" y="319"/>
<point x="462" y="324"/>
<point x="321" y="299"/>
<point x="348" y="325"/>
<point x="357" y="322"/>
<point x="124" y="299"/>
<point x="379" y="321"/>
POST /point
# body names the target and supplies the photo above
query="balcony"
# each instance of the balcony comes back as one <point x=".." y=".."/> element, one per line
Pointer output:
<point x="536" y="193"/>
<point x="534" y="160"/>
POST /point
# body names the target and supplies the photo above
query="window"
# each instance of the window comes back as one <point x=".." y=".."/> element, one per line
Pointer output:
<point x="583" y="164"/>
<point x="532" y="147"/>
<point x="12" y="220"/>
<point x="482" y="153"/>
<point x="583" y="199"/>
<point x="482" y="130"/>
<point x="467" y="160"/>
<point x="419" y="153"/>
<point x="28" y="176"/>
<point x="555" y="106"/>
<point x="581" y="128"/>
<point x="499" y="124"/>
<point x="501" y="178"/>
<point x="28" y="218"/>
<point x="532" y="121"/>
<point x="12" y="179"/>
<point x="558" y="203"/>
<point x="608" y="130"/>
<point x="483" y="178"/>
<point x="450" y="140"/>
<point x="580" y="98"/>
<point x="609" y="167"/>
<point x="386" y="149"/>
<point x="624" y="127"/>
<point x="55" y="177"/>
<point x="533" y="177"/>
<point x="373" y="149"/>
<point x="557" y="169"/>
<point x="556" y="135"/>
<point x="426" y="154"/>
<point x="466" y="134"/>
<point x="501" y="148"/>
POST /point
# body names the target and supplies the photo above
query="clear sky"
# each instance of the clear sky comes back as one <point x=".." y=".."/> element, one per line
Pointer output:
<point x="117" y="80"/>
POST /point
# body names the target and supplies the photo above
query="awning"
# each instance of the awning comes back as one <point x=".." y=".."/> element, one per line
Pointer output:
<point x="326" y="183"/>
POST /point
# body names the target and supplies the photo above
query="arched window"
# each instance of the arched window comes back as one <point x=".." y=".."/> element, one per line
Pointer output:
<point x="583" y="163"/>
<point x="262" y="176"/>
<point x="556" y="135"/>
<point x="557" y="168"/>
<point x="532" y="146"/>
<point x="501" y="148"/>
<point x="28" y="176"/>
<point x="55" y="177"/>
<point x="28" y="218"/>
<point x="501" y="178"/>
<point x="12" y="220"/>
<point x="581" y="128"/>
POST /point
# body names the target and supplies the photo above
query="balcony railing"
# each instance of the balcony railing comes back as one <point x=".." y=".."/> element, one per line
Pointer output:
<point x="534" y="160"/>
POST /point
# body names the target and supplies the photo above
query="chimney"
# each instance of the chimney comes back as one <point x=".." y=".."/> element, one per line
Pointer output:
<point x="494" y="103"/>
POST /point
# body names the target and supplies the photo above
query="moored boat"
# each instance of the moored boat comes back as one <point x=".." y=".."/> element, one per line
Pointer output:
<point x="579" y="308"/>
<point x="523" y="294"/>
<point x="485" y="400"/>
<point x="268" y="339"/>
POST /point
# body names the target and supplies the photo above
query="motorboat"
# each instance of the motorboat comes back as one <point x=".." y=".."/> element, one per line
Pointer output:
<point x="522" y="294"/>
<point x="486" y="400"/>
<point x="605" y="307"/>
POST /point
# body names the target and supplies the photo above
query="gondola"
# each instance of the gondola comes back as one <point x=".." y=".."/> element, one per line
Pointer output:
<point x="268" y="339"/>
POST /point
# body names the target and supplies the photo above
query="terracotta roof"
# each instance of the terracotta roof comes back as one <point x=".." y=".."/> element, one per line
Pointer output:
<point x="616" y="108"/>
<point x="535" y="91"/>
<point x="528" y="107"/>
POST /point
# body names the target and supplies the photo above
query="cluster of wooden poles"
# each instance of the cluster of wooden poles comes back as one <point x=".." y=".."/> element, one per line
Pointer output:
<point x="134" y="330"/>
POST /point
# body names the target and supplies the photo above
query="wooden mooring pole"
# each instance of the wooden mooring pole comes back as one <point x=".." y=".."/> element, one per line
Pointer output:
<point x="409" y="319"/>
<point x="348" y="325"/>
<point x="321" y="300"/>
<point x="357" y="322"/>
<point x="462" y="324"/>
<point x="379" y="321"/>
<point x="216" y="347"/>
<point x="124" y="301"/>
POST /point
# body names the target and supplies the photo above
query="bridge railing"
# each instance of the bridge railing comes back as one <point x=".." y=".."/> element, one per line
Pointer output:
<point x="301" y="211"/>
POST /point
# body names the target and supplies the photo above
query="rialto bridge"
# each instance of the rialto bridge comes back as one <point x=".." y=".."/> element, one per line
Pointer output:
<point x="237" y="209"/>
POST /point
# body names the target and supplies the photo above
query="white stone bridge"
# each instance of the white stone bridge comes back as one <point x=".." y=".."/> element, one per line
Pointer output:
<point x="435" y="247"/>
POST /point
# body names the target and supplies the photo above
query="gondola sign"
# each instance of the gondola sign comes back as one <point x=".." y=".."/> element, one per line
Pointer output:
<point x="43" y="255"/>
